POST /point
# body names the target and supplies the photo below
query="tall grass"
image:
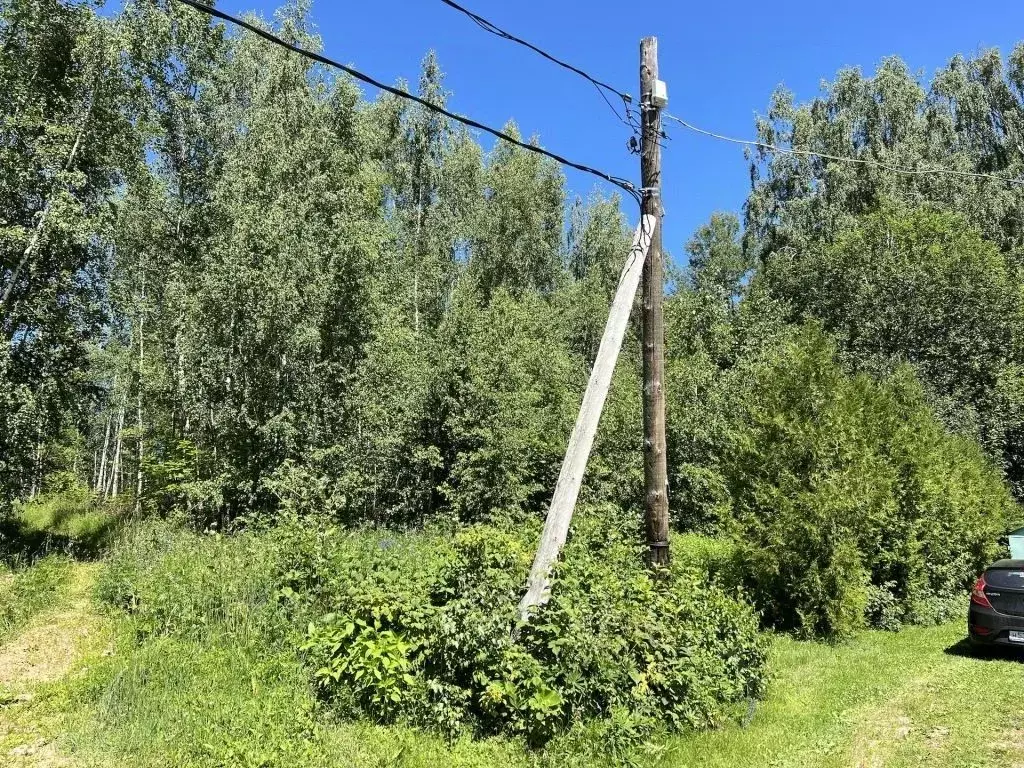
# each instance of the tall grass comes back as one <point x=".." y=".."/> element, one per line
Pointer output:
<point x="176" y="702"/>
<point x="26" y="591"/>
<point x="200" y="587"/>
<point x="206" y="673"/>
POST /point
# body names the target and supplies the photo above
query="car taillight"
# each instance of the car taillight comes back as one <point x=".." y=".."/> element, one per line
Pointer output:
<point x="978" y="596"/>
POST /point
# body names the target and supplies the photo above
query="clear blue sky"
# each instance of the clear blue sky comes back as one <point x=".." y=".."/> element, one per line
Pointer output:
<point x="721" y="61"/>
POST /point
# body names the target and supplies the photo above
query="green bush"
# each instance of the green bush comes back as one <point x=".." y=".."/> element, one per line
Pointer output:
<point x="716" y="556"/>
<point x="423" y="628"/>
<point x="851" y="502"/>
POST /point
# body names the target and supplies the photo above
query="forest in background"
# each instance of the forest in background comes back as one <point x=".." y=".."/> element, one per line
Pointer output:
<point x="236" y="292"/>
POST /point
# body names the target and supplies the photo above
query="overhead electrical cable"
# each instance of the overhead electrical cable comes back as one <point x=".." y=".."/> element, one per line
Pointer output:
<point x="210" y="10"/>
<point x="840" y="158"/>
<point x="628" y="120"/>
<point x="496" y="30"/>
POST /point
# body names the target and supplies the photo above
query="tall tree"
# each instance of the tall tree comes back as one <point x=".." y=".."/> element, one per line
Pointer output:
<point x="66" y="133"/>
<point x="923" y="288"/>
<point x="517" y="245"/>
<point x="970" y="119"/>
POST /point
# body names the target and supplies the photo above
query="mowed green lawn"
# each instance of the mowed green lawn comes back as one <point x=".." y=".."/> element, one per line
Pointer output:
<point x="918" y="697"/>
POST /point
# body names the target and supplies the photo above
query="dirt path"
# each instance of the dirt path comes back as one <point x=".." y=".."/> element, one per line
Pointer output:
<point x="44" y="653"/>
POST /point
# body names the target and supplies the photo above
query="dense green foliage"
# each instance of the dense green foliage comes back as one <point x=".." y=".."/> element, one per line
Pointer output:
<point x="850" y="499"/>
<point x="60" y="77"/>
<point x="408" y="330"/>
<point x="422" y="628"/>
<point x="234" y="292"/>
<point x="448" y="653"/>
<point x="921" y="287"/>
<point x="939" y="288"/>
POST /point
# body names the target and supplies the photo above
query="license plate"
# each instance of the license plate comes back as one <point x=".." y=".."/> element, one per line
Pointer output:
<point x="1017" y="637"/>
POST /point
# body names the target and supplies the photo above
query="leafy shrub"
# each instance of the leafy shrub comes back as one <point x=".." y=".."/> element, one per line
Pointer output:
<point x="374" y="663"/>
<point x="851" y="501"/>
<point x="424" y="628"/>
<point x="716" y="556"/>
<point x="174" y="482"/>
<point x="207" y="673"/>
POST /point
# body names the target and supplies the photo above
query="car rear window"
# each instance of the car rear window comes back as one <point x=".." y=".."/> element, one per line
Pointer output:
<point x="1005" y="578"/>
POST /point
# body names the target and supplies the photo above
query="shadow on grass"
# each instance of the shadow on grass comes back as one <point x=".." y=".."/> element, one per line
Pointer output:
<point x="23" y="543"/>
<point x="966" y="649"/>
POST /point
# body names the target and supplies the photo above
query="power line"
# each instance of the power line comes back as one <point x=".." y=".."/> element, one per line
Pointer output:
<point x="210" y="10"/>
<point x="840" y="158"/>
<point x="494" y="29"/>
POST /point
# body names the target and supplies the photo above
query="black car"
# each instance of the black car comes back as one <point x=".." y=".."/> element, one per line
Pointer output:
<point x="996" y="616"/>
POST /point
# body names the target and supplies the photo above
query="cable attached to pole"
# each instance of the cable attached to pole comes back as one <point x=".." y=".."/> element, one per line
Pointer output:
<point x="840" y="158"/>
<point x="628" y="119"/>
<point x="211" y="10"/>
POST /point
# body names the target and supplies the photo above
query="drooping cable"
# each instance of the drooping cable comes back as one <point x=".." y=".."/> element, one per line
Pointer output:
<point x="494" y="29"/>
<point x="841" y="158"/>
<point x="211" y="10"/>
<point x="600" y="86"/>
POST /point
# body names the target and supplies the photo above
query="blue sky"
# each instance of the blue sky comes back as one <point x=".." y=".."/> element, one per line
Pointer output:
<point x="721" y="61"/>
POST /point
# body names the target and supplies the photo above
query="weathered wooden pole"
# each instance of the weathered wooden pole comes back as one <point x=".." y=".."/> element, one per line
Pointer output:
<point x="567" y="489"/>
<point x="653" y="97"/>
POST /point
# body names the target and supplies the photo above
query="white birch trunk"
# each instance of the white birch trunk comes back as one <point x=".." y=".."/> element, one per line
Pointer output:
<point x="139" y="424"/>
<point x="101" y="481"/>
<point x="115" y="469"/>
<point x="37" y="460"/>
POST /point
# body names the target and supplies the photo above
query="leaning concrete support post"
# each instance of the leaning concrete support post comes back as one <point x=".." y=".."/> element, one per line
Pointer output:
<point x="563" y="502"/>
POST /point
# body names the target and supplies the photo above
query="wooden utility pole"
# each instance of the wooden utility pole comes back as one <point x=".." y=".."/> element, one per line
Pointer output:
<point x="643" y="263"/>
<point x="574" y="465"/>
<point x="653" y="97"/>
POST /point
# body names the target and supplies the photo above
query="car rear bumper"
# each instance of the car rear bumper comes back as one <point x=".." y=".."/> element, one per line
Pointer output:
<point x="988" y="627"/>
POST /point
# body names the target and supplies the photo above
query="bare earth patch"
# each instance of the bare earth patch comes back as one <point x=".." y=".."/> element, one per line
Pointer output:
<point x="937" y="737"/>
<point x="45" y="652"/>
<point x="40" y="754"/>
<point x="875" y="737"/>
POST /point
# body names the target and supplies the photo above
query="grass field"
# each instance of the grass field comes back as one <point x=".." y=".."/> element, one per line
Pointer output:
<point x="79" y="688"/>
<point x="918" y="697"/>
